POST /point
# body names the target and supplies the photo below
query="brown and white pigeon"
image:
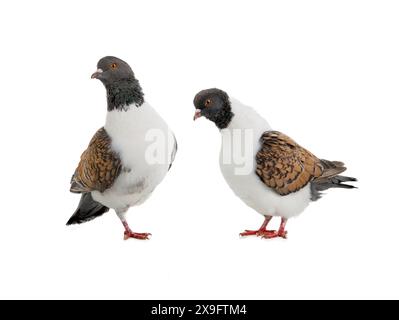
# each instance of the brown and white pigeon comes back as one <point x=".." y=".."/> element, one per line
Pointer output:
<point x="268" y="170"/>
<point x="128" y="157"/>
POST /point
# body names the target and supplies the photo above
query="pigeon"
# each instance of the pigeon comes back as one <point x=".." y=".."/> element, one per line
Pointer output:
<point x="275" y="176"/>
<point x="128" y="157"/>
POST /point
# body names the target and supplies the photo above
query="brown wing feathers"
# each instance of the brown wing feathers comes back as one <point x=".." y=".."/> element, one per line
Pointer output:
<point x="286" y="167"/>
<point x="99" y="166"/>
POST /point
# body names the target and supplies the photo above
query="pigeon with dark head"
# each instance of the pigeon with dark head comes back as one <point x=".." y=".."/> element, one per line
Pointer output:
<point x="268" y="170"/>
<point x="117" y="170"/>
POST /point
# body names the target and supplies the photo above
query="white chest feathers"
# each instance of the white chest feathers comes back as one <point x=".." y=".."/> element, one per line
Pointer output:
<point x="140" y="136"/>
<point x="145" y="146"/>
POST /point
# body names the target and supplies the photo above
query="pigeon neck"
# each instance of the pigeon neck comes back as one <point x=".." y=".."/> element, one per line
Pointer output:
<point x="121" y="95"/>
<point x="246" y="117"/>
<point x="224" y="117"/>
<point x="224" y="120"/>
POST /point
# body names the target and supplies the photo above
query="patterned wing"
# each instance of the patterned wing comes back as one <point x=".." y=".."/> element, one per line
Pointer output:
<point x="99" y="166"/>
<point x="285" y="166"/>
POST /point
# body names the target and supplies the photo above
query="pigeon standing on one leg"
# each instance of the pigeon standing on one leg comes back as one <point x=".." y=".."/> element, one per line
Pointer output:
<point x="282" y="177"/>
<point x="122" y="164"/>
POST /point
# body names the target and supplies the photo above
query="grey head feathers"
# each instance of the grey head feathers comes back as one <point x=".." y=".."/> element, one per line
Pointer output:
<point x="123" y="89"/>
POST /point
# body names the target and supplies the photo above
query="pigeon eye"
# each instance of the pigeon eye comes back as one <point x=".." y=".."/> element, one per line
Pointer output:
<point x="208" y="102"/>
<point x="113" y="66"/>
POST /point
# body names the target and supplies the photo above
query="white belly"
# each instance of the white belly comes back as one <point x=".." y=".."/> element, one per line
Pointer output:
<point x="250" y="189"/>
<point x="145" y="146"/>
<point x="131" y="189"/>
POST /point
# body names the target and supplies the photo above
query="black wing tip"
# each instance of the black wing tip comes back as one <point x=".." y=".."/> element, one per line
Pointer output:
<point x="73" y="220"/>
<point x="69" y="222"/>
<point x="334" y="182"/>
<point x="351" y="179"/>
<point x="347" y="186"/>
<point x="341" y="179"/>
<point x="87" y="210"/>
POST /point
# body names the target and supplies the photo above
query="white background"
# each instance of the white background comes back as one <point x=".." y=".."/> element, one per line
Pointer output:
<point x="324" y="72"/>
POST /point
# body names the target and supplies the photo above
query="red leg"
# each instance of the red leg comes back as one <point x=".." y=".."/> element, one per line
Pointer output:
<point x="130" y="234"/>
<point x="268" y="234"/>
<point x="262" y="229"/>
<point x="281" y="231"/>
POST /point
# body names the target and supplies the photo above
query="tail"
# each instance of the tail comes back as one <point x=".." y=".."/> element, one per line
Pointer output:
<point x="87" y="210"/>
<point x="333" y="182"/>
<point x="330" y="179"/>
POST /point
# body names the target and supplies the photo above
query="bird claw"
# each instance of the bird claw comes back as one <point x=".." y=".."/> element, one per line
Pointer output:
<point x="265" y="234"/>
<point x="249" y="233"/>
<point x="270" y="234"/>
<point x="136" y="235"/>
<point x="283" y="234"/>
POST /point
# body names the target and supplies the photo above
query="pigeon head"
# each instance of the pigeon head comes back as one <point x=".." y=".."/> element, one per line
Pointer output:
<point x="213" y="104"/>
<point x="123" y="89"/>
<point x="111" y="70"/>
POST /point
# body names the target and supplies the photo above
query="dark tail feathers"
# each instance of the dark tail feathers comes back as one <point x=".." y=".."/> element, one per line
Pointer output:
<point x="332" y="182"/>
<point x="87" y="210"/>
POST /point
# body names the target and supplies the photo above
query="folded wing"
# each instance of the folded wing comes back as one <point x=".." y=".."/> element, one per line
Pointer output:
<point x="286" y="167"/>
<point x="99" y="166"/>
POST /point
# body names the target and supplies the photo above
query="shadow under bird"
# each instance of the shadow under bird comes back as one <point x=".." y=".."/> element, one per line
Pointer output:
<point x="282" y="178"/>
<point x="116" y="171"/>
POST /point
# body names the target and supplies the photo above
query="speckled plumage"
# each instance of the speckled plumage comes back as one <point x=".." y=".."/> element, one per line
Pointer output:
<point x="285" y="166"/>
<point x="99" y="165"/>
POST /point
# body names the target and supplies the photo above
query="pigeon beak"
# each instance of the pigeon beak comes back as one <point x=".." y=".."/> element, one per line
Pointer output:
<point x="97" y="74"/>
<point x="197" y="114"/>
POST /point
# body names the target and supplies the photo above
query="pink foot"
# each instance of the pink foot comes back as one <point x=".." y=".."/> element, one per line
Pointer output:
<point x="265" y="234"/>
<point x="136" y="235"/>
<point x="247" y="233"/>
<point x="270" y="234"/>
